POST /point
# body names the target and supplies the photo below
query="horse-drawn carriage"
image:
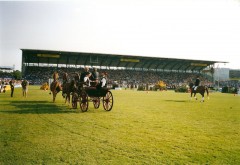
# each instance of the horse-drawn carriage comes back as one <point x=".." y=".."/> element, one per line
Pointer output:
<point x="84" y="95"/>
<point x="95" y="95"/>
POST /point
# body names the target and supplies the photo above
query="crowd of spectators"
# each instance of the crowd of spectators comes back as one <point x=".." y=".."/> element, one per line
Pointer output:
<point x="123" y="78"/>
<point x="171" y="79"/>
<point x="5" y="75"/>
<point x="228" y="83"/>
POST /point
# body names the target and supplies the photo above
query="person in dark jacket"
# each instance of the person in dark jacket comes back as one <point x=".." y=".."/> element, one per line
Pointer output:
<point x="84" y="73"/>
<point x="11" y="83"/>
<point x="94" y="77"/>
<point x="197" y="82"/>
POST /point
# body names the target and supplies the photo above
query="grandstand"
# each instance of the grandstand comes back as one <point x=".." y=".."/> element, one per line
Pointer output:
<point x="130" y="68"/>
<point x="31" y="57"/>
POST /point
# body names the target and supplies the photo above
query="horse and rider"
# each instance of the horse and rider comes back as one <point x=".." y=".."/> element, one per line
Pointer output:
<point x="55" y="86"/>
<point x="196" y="88"/>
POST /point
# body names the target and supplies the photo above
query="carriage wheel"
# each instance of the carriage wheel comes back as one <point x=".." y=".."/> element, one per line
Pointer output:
<point x="84" y="101"/>
<point x="108" y="101"/>
<point x="74" y="100"/>
<point x="96" y="102"/>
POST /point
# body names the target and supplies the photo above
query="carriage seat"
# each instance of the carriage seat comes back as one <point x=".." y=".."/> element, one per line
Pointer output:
<point x="96" y="92"/>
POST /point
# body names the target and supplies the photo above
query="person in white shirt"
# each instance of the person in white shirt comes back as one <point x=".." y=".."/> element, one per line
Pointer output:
<point x="103" y="81"/>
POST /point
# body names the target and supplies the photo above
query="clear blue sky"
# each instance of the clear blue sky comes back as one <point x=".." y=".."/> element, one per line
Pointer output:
<point x="189" y="29"/>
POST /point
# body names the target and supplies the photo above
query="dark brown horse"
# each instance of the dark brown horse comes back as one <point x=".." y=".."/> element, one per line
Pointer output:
<point x="55" y="86"/>
<point x="200" y="89"/>
<point x="69" y="87"/>
<point x="66" y="88"/>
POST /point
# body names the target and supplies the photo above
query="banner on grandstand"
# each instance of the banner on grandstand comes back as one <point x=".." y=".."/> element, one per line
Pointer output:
<point x="198" y="64"/>
<point x="206" y="71"/>
<point x="49" y="55"/>
<point x="129" y="60"/>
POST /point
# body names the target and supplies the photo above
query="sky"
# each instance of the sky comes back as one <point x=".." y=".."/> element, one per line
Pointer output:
<point x="184" y="29"/>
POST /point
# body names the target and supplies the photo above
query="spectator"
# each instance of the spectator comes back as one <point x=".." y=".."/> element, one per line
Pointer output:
<point x="11" y="83"/>
<point x="24" y="87"/>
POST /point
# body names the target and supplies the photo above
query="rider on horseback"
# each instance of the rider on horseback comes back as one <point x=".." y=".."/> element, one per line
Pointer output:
<point x="55" y="86"/>
<point x="197" y="82"/>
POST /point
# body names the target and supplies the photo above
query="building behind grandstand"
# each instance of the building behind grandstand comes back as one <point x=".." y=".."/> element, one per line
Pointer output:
<point x="7" y="68"/>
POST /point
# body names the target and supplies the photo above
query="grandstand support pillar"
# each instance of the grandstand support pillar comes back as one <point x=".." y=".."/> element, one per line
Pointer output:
<point x="57" y="62"/>
<point x="23" y="69"/>
<point x="23" y="65"/>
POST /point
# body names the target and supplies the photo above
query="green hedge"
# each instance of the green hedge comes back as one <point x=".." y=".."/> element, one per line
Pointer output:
<point x="181" y="89"/>
<point x="229" y="90"/>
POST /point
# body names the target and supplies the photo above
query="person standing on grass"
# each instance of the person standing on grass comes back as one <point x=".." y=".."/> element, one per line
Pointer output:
<point x="24" y="87"/>
<point x="11" y="83"/>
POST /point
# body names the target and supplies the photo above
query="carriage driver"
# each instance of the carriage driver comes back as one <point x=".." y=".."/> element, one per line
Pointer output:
<point x="94" y="77"/>
<point x="197" y="82"/>
<point x="84" y="73"/>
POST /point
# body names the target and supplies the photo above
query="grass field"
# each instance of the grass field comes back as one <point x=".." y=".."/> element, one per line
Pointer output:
<point x="142" y="128"/>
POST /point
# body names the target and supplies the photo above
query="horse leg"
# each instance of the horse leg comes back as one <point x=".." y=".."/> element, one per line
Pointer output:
<point x="65" y="96"/>
<point x="54" y="96"/>
<point x="206" y="89"/>
<point x="202" y="97"/>
<point x="68" y="98"/>
<point x="195" y="96"/>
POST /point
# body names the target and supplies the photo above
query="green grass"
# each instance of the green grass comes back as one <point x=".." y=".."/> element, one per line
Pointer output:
<point x="142" y="128"/>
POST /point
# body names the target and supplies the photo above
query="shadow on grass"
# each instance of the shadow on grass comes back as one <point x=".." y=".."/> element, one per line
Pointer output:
<point x="36" y="107"/>
<point x="176" y="100"/>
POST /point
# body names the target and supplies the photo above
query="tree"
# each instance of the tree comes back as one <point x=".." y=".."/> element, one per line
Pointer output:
<point x="17" y="74"/>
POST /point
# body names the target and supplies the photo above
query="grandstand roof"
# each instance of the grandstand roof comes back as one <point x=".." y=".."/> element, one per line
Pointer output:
<point x="112" y="60"/>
